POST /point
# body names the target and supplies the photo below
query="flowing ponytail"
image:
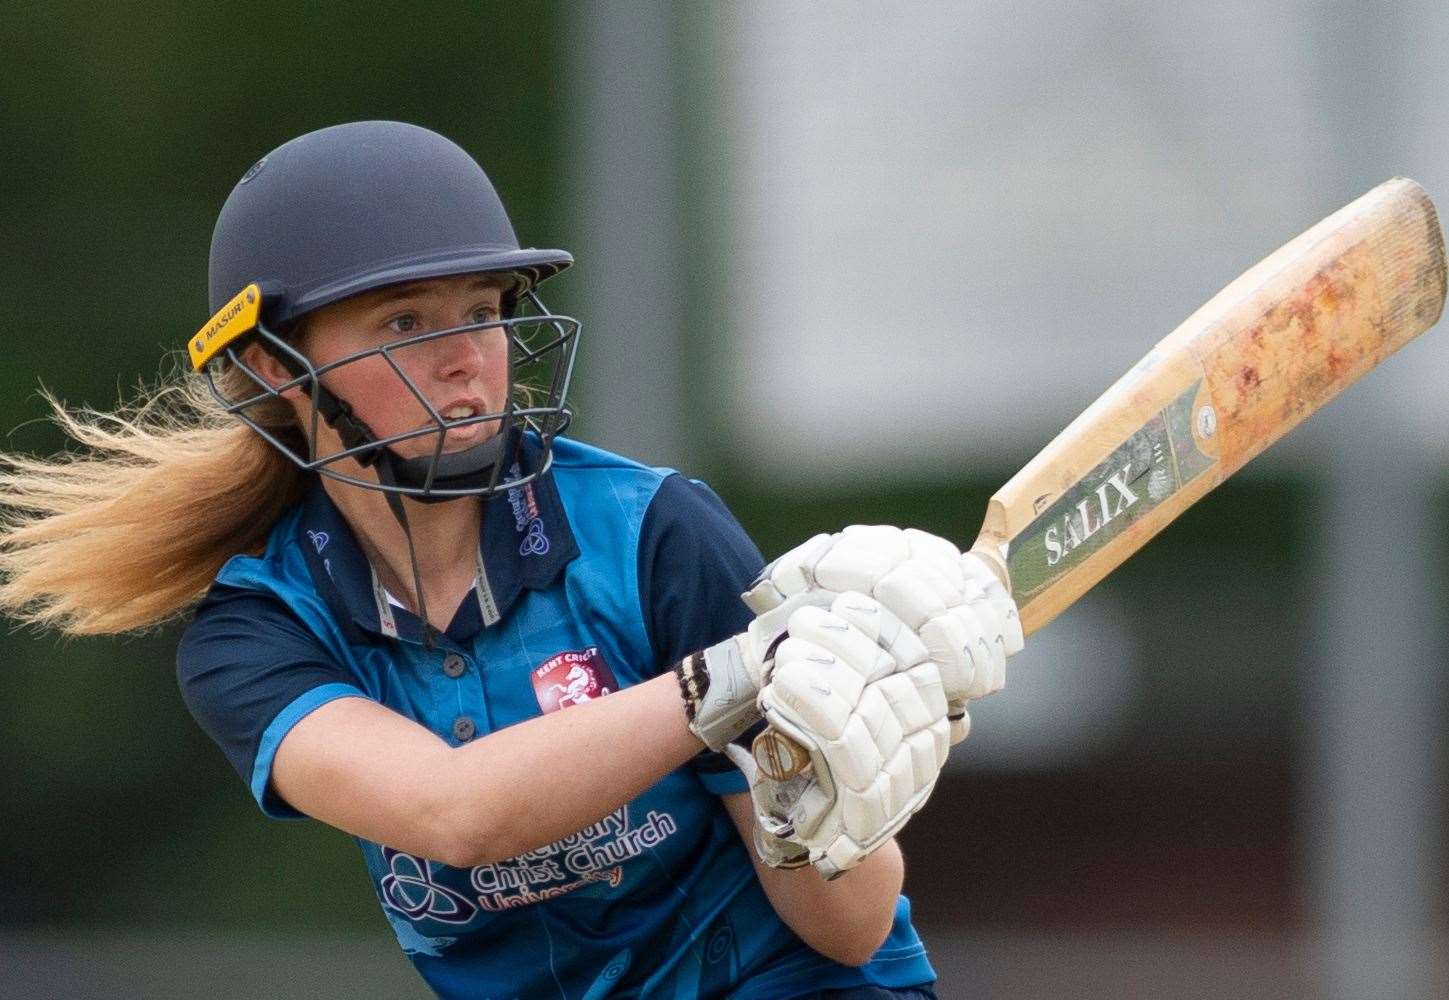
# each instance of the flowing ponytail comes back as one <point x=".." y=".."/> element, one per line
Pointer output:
<point x="130" y="531"/>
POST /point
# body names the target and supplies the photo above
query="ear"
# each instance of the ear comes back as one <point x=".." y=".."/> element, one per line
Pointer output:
<point x="265" y="364"/>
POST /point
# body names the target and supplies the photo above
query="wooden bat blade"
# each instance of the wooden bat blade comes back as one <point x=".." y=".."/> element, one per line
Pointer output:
<point x="1258" y="358"/>
<point x="1250" y="365"/>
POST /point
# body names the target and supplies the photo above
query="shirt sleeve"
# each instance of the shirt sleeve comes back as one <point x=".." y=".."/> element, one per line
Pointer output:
<point x="249" y="671"/>
<point x="694" y="562"/>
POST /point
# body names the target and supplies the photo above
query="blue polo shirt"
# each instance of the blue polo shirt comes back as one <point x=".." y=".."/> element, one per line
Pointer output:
<point x="596" y="576"/>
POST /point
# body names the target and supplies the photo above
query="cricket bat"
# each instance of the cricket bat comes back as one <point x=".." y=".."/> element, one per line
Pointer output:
<point x="1255" y="361"/>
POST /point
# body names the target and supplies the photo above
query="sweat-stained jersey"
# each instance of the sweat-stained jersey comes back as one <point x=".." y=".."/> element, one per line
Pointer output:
<point x="596" y="576"/>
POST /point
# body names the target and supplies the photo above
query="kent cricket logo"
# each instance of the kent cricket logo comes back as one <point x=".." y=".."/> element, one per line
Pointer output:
<point x="572" y="678"/>
<point x="1154" y="463"/>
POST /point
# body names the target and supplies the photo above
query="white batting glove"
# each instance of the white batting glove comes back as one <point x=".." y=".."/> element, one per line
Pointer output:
<point x="839" y="660"/>
<point x="721" y="684"/>
<point x="953" y="601"/>
<point x="875" y="746"/>
<point x="877" y="732"/>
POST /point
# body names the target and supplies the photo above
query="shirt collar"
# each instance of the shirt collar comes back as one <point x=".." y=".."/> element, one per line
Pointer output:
<point x="526" y="537"/>
<point x="526" y="542"/>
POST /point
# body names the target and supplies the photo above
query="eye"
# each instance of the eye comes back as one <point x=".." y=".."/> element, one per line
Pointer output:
<point x="404" y="323"/>
<point x="485" y="314"/>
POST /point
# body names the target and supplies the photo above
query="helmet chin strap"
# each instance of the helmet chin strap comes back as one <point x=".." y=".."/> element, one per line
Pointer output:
<point x="385" y="473"/>
<point x="476" y="466"/>
<point x="470" y="468"/>
<point x="394" y="502"/>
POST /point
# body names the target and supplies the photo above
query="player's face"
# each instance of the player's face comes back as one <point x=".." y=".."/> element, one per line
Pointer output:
<point x="460" y="375"/>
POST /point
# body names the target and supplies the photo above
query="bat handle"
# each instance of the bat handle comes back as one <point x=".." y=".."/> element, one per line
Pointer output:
<point x="993" y="554"/>
<point x="778" y="756"/>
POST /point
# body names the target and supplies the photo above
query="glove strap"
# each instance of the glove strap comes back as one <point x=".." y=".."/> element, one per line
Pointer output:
<point x="719" y="699"/>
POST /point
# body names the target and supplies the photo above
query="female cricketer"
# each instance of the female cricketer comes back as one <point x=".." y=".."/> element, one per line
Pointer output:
<point x="517" y="669"/>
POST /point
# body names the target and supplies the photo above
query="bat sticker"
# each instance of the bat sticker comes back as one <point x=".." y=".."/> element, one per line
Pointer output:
<point x="1153" y="463"/>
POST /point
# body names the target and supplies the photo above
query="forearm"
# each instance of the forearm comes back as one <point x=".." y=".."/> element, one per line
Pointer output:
<point x="845" y="919"/>
<point x="554" y="775"/>
<point x="370" y="772"/>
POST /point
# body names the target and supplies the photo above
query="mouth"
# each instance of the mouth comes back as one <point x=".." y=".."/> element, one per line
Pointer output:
<point x="461" y="409"/>
<point x="469" y="433"/>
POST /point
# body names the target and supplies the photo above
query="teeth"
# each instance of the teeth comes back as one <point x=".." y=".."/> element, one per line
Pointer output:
<point x="458" y="412"/>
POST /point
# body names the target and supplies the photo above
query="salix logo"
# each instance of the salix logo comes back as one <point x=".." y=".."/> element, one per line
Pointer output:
<point x="1141" y="474"/>
<point x="1092" y="512"/>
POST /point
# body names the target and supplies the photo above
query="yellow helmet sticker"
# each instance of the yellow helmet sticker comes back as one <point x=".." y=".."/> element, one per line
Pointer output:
<point x="237" y="317"/>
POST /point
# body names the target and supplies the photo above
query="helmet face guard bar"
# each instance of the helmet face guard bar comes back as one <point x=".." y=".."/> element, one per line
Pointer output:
<point x="541" y="351"/>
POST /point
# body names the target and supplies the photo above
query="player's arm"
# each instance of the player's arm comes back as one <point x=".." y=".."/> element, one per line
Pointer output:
<point x="845" y="919"/>
<point x="359" y="766"/>
<point x="372" y="773"/>
<point x="368" y="771"/>
<point x="307" y="740"/>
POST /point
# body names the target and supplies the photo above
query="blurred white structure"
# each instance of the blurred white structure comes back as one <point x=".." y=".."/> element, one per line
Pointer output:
<point x="970" y="219"/>
<point x="965" y="221"/>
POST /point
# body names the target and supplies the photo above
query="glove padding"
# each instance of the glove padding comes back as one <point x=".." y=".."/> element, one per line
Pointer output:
<point x="876" y="729"/>
<point x="949" y="599"/>
<point x="877" y="734"/>
<point x="954" y="602"/>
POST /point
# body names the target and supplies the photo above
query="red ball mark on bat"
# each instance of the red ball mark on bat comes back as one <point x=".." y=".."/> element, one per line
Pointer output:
<point x="1336" y="362"/>
<point x="1306" y="314"/>
<point x="1248" y="379"/>
<point x="1322" y="296"/>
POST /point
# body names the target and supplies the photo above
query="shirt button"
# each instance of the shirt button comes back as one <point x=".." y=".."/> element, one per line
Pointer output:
<point x="453" y="665"/>
<point x="463" y="729"/>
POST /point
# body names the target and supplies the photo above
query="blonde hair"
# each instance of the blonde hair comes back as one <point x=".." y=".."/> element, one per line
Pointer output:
<point x="130" y="531"/>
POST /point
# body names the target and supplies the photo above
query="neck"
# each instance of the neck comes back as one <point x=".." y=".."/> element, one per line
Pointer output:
<point x="445" y="537"/>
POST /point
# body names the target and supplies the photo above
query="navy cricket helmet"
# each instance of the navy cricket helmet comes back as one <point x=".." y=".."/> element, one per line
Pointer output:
<point x="362" y="206"/>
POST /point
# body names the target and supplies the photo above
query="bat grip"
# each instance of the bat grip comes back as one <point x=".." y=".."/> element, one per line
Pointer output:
<point x="778" y="756"/>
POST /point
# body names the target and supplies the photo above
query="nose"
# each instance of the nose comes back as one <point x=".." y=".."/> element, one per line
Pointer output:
<point x="459" y="357"/>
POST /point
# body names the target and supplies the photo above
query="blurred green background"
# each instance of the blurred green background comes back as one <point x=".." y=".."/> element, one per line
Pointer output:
<point x="1180" y="849"/>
